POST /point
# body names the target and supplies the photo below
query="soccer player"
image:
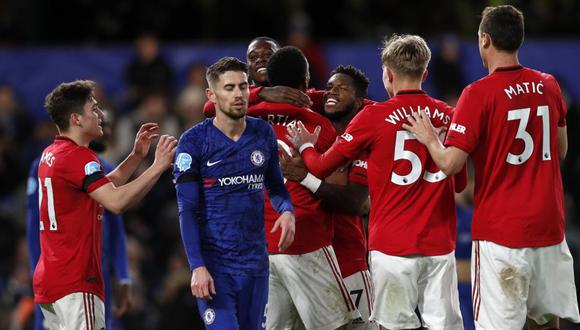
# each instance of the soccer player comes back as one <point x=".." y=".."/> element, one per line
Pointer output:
<point x="343" y="99"/>
<point x="220" y="170"/>
<point x="412" y="220"/>
<point x="114" y="237"/>
<point x="68" y="281"/>
<point x="258" y="54"/>
<point x="306" y="286"/>
<point x="513" y="125"/>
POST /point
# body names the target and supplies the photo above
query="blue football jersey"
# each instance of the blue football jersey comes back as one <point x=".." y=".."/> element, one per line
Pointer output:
<point x="231" y="177"/>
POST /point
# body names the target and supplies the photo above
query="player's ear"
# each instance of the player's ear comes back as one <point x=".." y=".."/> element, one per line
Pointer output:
<point x="485" y="40"/>
<point x="390" y="74"/>
<point x="74" y="119"/>
<point x="425" y="75"/>
<point x="210" y="95"/>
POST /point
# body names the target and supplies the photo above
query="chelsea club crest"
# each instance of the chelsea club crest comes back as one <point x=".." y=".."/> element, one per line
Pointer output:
<point x="257" y="158"/>
<point x="209" y="316"/>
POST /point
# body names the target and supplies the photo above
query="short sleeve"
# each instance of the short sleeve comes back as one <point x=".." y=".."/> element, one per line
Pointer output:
<point x="85" y="171"/>
<point x="466" y="126"/>
<point x="358" y="136"/>
<point x="186" y="163"/>
<point x="562" y="108"/>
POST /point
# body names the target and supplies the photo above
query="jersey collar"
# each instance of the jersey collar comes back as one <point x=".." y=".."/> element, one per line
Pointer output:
<point x="64" y="138"/>
<point x="410" y="91"/>
<point x="509" y="68"/>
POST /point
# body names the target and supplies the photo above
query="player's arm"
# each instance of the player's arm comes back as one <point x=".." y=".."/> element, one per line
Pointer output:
<point x="118" y="239"/>
<point x="118" y="199"/>
<point x="123" y="172"/>
<point x="562" y="142"/>
<point x="451" y="159"/>
<point x="350" y="198"/>
<point x="274" y="94"/>
<point x="321" y="166"/>
<point x="188" y="190"/>
<point x="32" y="216"/>
<point x="279" y="197"/>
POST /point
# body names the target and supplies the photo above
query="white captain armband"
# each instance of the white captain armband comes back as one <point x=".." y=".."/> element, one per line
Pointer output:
<point x="311" y="182"/>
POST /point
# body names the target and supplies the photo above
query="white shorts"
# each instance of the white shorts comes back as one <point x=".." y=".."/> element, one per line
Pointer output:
<point x="403" y="284"/>
<point x="361" y="291"/>
<point x="509" y="284"/>
<point x="77" y="310"/>
<point x="307" y="291"/>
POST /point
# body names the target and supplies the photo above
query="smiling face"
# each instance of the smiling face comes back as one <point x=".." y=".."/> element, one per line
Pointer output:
<point x="89" y="120"/>
<point x="258" y="55"/>
<point x="340" y="96"/>
<point x="230" y="94"/>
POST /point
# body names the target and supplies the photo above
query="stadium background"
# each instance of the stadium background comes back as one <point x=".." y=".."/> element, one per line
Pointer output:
<point x="43" y="43"/>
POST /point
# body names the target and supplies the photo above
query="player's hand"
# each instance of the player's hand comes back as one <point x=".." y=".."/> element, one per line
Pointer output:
<point x="421" y="128"/>
<point x="165" y="151"/>
<point x="123" y="300"/>
<point x="202" y="284"/>
<point x="299" y="135"/>
<point x="292" y="165"/>
<point x="146" y="134"/>
<point x="286" y="223"/>
<point x="284" y="94"/>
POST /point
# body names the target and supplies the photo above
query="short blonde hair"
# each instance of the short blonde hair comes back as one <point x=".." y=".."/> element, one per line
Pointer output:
<point x="406" y="54"/>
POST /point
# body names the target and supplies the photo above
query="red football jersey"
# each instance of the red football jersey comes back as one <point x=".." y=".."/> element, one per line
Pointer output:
<point x="313" y="223"/>
<point x="508" y="123"/>
<point x="412" y="201"/>
<point x="70" y="222"/>
<point x="349" y="241"/>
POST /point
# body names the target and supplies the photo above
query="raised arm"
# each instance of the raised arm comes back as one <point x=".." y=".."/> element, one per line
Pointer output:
<point x="319" y="165"/>
<point x="123" y="172"/>
<point x="274" y="94"/>
<point x="118" y="199"/>
<point x="336" y="192"/>
<point x="450" y="160"/>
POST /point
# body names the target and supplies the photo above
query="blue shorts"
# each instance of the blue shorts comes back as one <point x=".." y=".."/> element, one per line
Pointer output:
<point x="239" y="303"/>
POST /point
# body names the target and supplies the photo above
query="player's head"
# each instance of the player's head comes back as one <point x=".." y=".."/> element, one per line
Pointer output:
<point x="100" y="145"/>
<point x="258" y="54"/>
<point x="345" y="91"/>
<point x="404" y="58"/>
<point x="501" y="30"/>
<point x="72" y="106"/>
<point x="289" y="67"/>
<point x="228" y="87"/>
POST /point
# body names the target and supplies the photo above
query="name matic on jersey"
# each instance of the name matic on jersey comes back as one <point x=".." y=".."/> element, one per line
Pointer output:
<point x="524" y="88"/>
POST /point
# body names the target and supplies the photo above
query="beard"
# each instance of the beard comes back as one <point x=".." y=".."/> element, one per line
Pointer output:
<point x="340" y="114"/>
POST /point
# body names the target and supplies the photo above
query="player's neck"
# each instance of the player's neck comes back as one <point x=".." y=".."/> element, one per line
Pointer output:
<point x="502" y="59"/>
<point x="404" y="85"/>
<point x="77" y="137"/>
<point x="341" y="123"/>
<point x="232" y="128"/>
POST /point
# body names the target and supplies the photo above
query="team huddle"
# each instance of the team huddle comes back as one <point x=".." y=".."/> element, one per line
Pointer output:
<point x="272" y="186"/>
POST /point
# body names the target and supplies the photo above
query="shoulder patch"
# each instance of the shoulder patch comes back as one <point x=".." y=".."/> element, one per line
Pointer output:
<point x="183" y="161"/>
<point x="92" y="167"/>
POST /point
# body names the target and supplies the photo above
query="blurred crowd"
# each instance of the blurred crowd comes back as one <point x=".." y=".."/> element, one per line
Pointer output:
<point x="89" y="21"/>
<point x="161" y="297"/>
